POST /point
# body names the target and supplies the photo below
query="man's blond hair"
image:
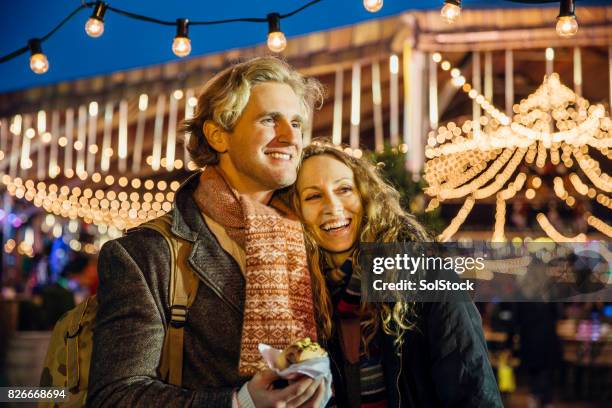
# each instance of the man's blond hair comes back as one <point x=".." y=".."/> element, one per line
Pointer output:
<point x="225" y="96"/>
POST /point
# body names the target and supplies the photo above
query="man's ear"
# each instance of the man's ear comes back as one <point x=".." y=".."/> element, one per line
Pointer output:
<point x="216" y="136"/>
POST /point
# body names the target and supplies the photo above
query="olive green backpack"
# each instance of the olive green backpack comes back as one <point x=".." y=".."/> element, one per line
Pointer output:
<point x="69" y="354"/>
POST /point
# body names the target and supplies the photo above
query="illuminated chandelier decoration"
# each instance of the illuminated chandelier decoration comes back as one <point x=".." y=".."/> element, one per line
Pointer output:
<point x="553" y="123"/>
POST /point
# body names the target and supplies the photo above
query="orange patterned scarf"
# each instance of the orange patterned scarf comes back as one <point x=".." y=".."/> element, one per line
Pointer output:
<point x="278" y="307"/>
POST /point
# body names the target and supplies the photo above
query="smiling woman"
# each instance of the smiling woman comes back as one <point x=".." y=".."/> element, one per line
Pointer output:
<point x="330" y="204"/>
<point x="342" y="201"/>
<point x="383" y="354"/>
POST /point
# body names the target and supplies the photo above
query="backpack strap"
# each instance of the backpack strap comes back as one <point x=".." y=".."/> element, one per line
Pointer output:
<point x="72" y="343"/>
<point x="182" y="292"/>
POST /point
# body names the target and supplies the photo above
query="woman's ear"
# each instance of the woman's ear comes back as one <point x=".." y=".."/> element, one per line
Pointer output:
<point x="216" y="136"/>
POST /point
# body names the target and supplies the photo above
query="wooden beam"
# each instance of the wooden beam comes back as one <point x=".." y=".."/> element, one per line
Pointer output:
<point x="512" y="39"/>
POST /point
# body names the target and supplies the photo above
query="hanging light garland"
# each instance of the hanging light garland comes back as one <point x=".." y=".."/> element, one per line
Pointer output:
<point x="119" y="203"/>
<point x="465" y="162"/>
<point x="99" y="206"/>
<point x="181" y="45"/>
<point x="500" y="212"/>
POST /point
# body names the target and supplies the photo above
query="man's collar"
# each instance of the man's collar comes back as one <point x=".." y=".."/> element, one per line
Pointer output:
<point x="186" y="217"/>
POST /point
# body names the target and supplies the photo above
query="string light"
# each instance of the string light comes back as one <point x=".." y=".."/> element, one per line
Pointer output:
<point x="143" y="102"/>
<point x="372" y="5"/>
<point x="579" y="186"/>
<point x="500" y="208"/>
<point x="604" y="200"/>
<point x="100" y="206"/>
<point x="90" y="206"/>
<point x="567" y="25"/>
<point x="591" y="168"/>
<point x="600" y="225"/>
<point x="178" y="94"/>
<point x="276" y="39"/>
<point x="459" y="81"/>
<point x="38" y="61"/>
<point x="394" y="64"/>
<point x="95" y="25"/>
<point x="451" y="10"/>
<point x="458" y="220"/>
<point x="559" y="188"/>
<point x="181" y="46"/>
<point x="552" y="232"/>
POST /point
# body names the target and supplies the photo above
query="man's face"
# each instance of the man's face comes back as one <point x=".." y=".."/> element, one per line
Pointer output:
<point x="265" y="146"/>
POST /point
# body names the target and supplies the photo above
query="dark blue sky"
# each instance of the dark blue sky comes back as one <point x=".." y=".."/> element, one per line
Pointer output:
<point x="128" y="44"/>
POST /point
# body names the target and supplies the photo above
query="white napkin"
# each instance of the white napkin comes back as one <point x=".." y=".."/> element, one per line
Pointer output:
<point x="313" y="368"/>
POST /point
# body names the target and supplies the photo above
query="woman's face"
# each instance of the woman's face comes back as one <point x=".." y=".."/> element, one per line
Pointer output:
<point x="330" y="202"/>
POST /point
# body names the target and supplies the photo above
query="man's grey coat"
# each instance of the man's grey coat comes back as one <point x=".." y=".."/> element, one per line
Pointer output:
<point x="133" y="296"/>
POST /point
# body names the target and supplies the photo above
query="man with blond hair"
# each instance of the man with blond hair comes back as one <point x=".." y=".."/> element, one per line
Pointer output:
<point x="247" y="252"/>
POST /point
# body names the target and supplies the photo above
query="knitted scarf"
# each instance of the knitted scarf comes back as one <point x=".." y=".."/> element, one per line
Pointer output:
<point x="278" y="307"/>
<point x="345" y="288"/>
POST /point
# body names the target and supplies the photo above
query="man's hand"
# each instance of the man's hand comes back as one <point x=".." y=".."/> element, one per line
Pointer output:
<point x="303" y="393"/>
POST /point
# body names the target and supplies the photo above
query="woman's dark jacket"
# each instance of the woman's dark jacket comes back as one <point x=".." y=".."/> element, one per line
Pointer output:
<point x="442" y="362"/>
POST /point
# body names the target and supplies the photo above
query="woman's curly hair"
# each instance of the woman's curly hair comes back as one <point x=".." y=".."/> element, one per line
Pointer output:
<point x="384" y="221"/>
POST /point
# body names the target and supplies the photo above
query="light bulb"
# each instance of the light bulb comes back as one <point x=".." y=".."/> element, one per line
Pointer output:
<point x="277" y="41"/>
<point x="94" y="27"/>
<point x="451" y="10"/>
<point x="394" y="64"/>
<point x="181" y="46"/>
<point x="372" y="5"/>
<point x="38" y="61"/>
<point x="567" y="26"/>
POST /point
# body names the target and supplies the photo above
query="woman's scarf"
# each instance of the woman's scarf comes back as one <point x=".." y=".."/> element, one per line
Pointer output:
<point x="345" y="286"/>
<point x="278" y="307"/>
